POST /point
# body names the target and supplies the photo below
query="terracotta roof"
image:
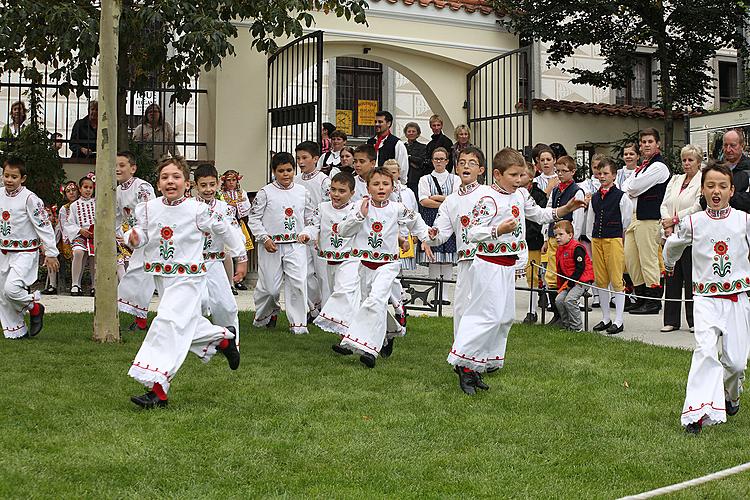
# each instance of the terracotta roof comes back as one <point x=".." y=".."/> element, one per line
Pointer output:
<point x="603" y="109"/>
<point x="467" y="5"/>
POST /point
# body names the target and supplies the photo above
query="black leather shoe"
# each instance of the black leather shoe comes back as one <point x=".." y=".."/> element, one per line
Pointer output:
<point x="493" y="369"/>
<point x="272" y="322"/>
<point x="556" y="320"/>
<point x="465" y="381"/>
<point x="92" y="292"/>
<point x="387" y="349"/>
<point x="234" y="291"/>
<point x="530" y="319"/>
<point x="231" y="352"/>
<point x="36" y="322"/>
<point x="135" y="328"/>
<point x="479" y="383"/>
<point x="368" y="360"/>
<point x="601" y="326"/>
<point x="339" y="349"/>
<point x="614" y="329"/>
<point x="149" y="401"/>
<point x="694" y="428"/>
<point x="50" y="290"/>
<point x="732" y="409"/>
<point x="76" y="291"/>
<point x="241" y="286"/>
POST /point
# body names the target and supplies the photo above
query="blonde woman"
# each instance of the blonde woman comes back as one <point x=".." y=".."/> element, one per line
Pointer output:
<point x="681" y="199"/>
<point x="463" y="141"/>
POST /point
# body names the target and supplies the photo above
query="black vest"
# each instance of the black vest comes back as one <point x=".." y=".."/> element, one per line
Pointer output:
<point x="607" y="216"/>
<point x="649" y="202"/>
<point x="387" y="149"/>
<point x="560" y="198"/>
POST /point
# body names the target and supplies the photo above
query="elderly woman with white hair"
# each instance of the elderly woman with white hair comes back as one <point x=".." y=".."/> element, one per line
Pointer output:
<point x="681" y="199"/>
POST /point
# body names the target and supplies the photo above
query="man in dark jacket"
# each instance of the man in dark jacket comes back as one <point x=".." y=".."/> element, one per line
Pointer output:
<point x="438" y="140"/>
<point x="738" y="161"/>
<point x="388" y="146"/>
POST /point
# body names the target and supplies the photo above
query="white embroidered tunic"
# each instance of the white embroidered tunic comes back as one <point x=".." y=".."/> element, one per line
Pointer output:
<point x="129" y="194"/>
<point x="278" y="213"/>
<point x="213" y="246"/>
<point x="238" y="199"/>
<point x="720" y="246"/>
<point x="173" y="235"/>
<point x="324" y="227"/>
<point x="24" y="223"/>
<point x="460" y="212"/>
<point x="360" y="188"/>
<point x="81" y="215"/>
<point x="375" y="236"/>
<point x="318" y="185"/>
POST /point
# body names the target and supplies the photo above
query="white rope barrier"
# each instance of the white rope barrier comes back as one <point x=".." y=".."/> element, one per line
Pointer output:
<point x="534" y="264"/>
<point x="692" y="482"/>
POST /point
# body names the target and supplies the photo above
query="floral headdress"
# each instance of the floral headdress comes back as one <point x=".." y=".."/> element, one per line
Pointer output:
<point x="229" y="174"/>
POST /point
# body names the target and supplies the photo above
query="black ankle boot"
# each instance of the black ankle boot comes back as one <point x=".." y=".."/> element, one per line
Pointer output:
<point x="652" y="305"/>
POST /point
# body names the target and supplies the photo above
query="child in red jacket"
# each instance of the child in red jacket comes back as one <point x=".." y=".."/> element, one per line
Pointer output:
<point x="574" y="267"/>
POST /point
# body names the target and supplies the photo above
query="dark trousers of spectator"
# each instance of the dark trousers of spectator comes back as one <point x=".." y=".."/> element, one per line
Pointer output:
<point x="682" y="279"/>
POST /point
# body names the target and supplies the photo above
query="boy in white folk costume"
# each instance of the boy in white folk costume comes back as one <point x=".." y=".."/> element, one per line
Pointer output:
<point x="136" y="287"/>
<point x="317" y="184"/>
<point x="458" y="213"/>
<point x="342" y="271"/>
<point x="480" y="342"/>
<point x="373" y="225"/>
<point x="276" y="218"/>
<point x="172" y="228"/>
<point x="25" y="229"/>
<point x="720" y="240"/>
<point x="364" y="162"/>
<point x="218" y="300"/>
<point x="80" y="227"/>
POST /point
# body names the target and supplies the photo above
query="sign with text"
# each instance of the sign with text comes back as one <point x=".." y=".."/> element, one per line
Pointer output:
<point x="366" y="110"/>
<point x="344" y="121"/>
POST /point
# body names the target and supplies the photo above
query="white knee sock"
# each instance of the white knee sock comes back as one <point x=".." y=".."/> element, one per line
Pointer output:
<point x="604" y="305"/>
<point x="619" y="307"/>
<point x="534" y="300"/>
<point x="77" y="268"/>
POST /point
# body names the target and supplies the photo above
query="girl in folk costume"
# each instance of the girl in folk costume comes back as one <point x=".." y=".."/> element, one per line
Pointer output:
<point x="480" y="342"/>
<point x="720" y="239"/>
<point x="235" y="196"/>
<point x="80" y="227"/>
<point x="456" y="216"/>
<point x="218" y="301"/>
<point x="347" y="162"/>
<point x="70" y="192"/>
<point x="24" y="231"/>
<point x="276" y="218"/>
<point x="171" y="229"/>
<point x="374" y="225"/>
<point x="342" y="272"/>
<point x="433" y="189"/>
<point x="136" y="287"/>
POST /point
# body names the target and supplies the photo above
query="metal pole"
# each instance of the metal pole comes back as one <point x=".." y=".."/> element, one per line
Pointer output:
<point x="106" y="324"/>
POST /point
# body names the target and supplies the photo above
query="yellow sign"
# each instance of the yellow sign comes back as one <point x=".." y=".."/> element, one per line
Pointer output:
<point x="366" y="112"/>
<point x="344" y="121"/>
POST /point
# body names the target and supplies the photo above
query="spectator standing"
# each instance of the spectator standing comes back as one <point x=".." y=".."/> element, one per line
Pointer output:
<point x="463" y="141"/>
<point x="417" y="152"/>
<point x="325" y="137"/>
<point x="157" y="132"/>
<point x="83" y="136"/>
<point x="15" y="125"/>
<point x="736" y="159"/>
<point x="330" y="159"/>
<point x="681" y="199"/>
<point x="630" y="157"/>
<point x="439" y="140"/>
<point x="387" y="146"/>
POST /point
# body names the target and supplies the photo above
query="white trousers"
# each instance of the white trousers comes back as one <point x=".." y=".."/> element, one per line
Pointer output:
<point x="178" y="328"/>
<point x="482" y="334"/>
<point x="288" y="264"/>
<point x="218" y="300"/>
<point x="339" y="309"/>
<point x="18" y="271"/>
<point x="318" y="290"/>
<point x="372" y="323"/>
<point x="397" y="296"/>
<point x="136" y="288"/>
<point x="713" y="378"/>
<point x="461" y="292"/>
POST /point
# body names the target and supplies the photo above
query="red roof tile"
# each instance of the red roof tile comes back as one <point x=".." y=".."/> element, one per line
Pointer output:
<point x="467" y="5"/>
<point x="602" y="109"/>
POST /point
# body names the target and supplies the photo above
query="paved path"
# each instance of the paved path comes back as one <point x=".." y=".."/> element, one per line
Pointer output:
<point x="640" y="328"/>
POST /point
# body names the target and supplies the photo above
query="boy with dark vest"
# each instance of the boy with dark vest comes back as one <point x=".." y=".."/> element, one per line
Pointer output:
<point x="608" y="216"/>
<point x="573" y="268"/>
<point x="646" y="188"/>
<point x="562" y="194"/>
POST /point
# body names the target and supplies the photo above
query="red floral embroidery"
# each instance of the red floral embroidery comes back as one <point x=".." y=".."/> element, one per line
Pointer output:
<point x="377" y="227"/>
<point x="289" y="212"/>
<point x="514" y="210"/>
<point x="166" y="232"/>
<point x="465" y="221"/>
<point x="335" y="228"/>
<point x="6" y="215"/>
<point x="720" y="247"/>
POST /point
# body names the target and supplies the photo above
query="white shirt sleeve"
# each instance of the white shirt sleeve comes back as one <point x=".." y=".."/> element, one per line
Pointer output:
<point x="402" y="157"/>
<point x="255" y="218"/>
<point x="578" y="216"/>
<point x="423" y="189"/>
<point x="675" y="244"/>
<point x="637" y="184"/>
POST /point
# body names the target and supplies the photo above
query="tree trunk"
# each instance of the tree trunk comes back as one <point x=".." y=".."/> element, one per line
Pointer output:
<point x="106" y="323"/>
<point x="123" y="82"/>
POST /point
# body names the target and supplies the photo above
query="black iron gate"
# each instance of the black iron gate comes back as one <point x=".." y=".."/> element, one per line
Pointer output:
<point x="295" y="93"/>
<point x="498" y="103"/>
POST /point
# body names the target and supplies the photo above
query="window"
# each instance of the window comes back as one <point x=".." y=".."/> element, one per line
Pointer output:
<point x="358" y="80"/>
<point x="727" y="83"/>
<point x="637" y="92"/>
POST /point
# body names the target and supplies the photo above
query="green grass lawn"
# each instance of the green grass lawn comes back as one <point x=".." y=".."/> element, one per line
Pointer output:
<point x="570" y="416"/>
